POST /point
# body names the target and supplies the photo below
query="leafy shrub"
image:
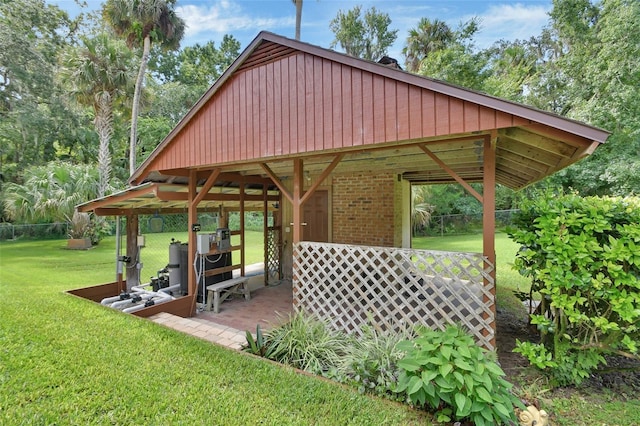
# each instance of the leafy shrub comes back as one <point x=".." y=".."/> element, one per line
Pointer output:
<point x="256" y="346"/>
<point x="448" y="372"/>
<point x="305" y="342"/>
<point x="370" y="361"/>
<point x="583" y="257"/>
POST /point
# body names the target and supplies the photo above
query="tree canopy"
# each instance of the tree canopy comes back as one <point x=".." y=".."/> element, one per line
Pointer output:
<point x="367" y="37"/>
<point x="585" y="64"/>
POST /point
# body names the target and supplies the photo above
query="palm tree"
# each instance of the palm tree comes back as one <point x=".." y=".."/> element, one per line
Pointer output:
<point x="141" y="23"/>
<point x="298" y="4"/>
<point x="427" y="37"/>
<point x="50" y="193"/>
<point x="98" y="75"/>
<point x="421" y="209"/>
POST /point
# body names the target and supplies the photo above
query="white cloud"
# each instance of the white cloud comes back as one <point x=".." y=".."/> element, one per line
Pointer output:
<point x="510" y="22"/>
<point x="225" y="17"/>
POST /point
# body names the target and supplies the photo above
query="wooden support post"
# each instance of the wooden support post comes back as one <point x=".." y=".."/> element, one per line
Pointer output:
<point x="133" y="251"/>
<point x="488" y="215"/>
<point x="265" y="231"/>
<point x="242" y="258"/>
<point x="193" y="218"/>
<point x="298" y="187"/>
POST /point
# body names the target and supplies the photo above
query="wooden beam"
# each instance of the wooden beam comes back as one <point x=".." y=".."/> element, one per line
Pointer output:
<point x="242" y="241"/>
<point x="321" y="178"/>
<point x="116" y="198"/>
<point x="193" y="218"/>
<point x="452" y="173"/>
<point x="236" y="177"/>
<point x="489" y="218"/>
<point x="298" y="184"/>
<point x="133" y="251"/>
<point x="182" y="196"/>
<point x="206" y="187"/>
<point x="265" y="235"/>
<point x="277" y="181"/>
<point x="559" y="135"/>
<point x="531" y="152"/>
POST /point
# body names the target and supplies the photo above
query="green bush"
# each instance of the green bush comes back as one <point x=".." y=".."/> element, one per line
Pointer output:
<point x="583" y="257"/>
<point x="448" y="372"/>
<point x="305" y="342"/>
<point x="369" y="362"/>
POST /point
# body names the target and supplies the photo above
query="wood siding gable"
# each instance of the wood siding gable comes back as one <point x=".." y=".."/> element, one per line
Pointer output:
<point x="300" y="103"/>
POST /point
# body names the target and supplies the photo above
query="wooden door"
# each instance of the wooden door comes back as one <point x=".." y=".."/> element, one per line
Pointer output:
<point x="315" y="213"/>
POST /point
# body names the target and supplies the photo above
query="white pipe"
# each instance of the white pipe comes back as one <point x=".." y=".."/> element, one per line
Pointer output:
<point x="142" y="306"/>
<point x="141" y="288"/>
<point x="137" y="290"/>
<point x="166" y="290"/>
<point x="109" y="300"/>
<point x="143" y="297"/>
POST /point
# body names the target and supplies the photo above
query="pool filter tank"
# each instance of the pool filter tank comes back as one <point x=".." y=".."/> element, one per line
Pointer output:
<point x="174" y="263"/>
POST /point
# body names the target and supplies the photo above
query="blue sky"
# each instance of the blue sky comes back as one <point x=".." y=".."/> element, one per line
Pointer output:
<point x="212" y="19"/>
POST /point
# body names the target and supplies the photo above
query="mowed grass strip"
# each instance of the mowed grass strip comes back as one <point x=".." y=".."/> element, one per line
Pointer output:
<point x="64" y="360"/>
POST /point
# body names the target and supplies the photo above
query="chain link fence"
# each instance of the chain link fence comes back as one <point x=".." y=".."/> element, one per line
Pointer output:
<point x="38" y="231"/>
<point x="455" y="224"/>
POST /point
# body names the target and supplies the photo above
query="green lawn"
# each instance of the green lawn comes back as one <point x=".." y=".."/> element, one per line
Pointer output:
<point x="64" y="360"/>
<point x="507" y="280"/>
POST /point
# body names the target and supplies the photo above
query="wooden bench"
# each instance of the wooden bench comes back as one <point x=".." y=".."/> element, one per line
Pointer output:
<point x="219" y="292"/>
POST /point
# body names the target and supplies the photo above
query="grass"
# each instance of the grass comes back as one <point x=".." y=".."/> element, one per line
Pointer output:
<point x="507" y="280"/>
<point x="64" y="360"/>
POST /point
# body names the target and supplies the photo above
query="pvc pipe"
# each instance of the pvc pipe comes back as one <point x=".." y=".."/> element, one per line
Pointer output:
<point x="141" y="288"/>
<point x="109" y="300"/>
<point x="143" y="297"/>
<point x="141" y="305"/>
<point x="166" y="290"/>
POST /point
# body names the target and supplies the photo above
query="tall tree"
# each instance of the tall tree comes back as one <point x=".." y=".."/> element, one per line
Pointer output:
<point x="594" y="76"/>
<point x="512" y="66"/>
<point x="298" y="4"/>
<point x="429" y="36"/>
<point x="34" y="124"/>
<point x="142" y="23"/>
<point x="198" y="65"/>
<point x="367" y="37"/>
<point x="97" y="73"/>
<point x="458" y="61"/>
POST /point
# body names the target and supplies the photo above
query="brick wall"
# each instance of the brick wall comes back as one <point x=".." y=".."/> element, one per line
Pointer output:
<point x="363" y="209"/>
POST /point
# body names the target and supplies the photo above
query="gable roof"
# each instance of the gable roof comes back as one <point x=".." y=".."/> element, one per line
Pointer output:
<point x="284" y="98"/>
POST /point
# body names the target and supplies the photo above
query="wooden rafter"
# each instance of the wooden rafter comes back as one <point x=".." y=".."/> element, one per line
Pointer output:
<point x="206" y="187"/>
<point x="452" y="173"/>
<point x="276" y="180"/>
<point x="321" y="179"/>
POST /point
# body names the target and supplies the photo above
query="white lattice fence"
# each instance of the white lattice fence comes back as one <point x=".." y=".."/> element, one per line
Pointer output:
<point x="273" y="272"/>
<point x="395" y="288"/>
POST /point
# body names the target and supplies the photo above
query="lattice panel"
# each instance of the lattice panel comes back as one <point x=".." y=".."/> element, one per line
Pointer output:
<point x="272" y="269"/>
<point x="397" y="288"/>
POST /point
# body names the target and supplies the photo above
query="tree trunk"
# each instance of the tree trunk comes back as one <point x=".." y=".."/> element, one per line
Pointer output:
<point x="298" y="17"/>
<point x="136" y="104"/>
<point x="104" y="126"/>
